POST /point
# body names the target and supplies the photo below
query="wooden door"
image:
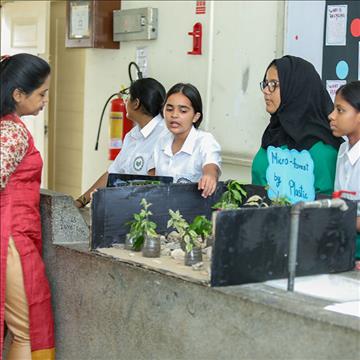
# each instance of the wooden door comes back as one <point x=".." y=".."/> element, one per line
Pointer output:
<point x="66" y="107"/>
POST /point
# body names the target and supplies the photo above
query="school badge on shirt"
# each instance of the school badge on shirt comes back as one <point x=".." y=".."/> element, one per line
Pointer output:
<point x="138" y="163"/>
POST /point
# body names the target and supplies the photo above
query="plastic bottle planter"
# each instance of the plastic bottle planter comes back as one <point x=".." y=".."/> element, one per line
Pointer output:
<point x="129" y="243"/>
<point x="151" y="247"/>
<point x="193" y="257"/>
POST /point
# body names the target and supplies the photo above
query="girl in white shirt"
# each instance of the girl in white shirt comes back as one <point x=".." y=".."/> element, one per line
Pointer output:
<point x="146" y="97"/>
<point x="186" y="153"/>
<point x="345" y="121"/>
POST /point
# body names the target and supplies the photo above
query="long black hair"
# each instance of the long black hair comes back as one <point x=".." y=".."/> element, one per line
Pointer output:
<point x="192" y="93"/>
<point x="351" y="93"/>
<point x="150" y="93"/>
<point x="25" y="72"/>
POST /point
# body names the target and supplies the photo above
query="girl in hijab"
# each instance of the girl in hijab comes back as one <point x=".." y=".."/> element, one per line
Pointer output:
<point x="299" y="106"/>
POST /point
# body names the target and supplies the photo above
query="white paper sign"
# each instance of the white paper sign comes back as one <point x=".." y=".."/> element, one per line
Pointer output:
<point x="336" y="18"/>
<point x="332" y="86"/>
<point x="80" y="21"/>
<point x="142" y="60"/>
<point x="348" y="308"/>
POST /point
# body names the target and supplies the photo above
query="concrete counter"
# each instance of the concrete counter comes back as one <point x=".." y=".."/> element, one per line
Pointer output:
<point x="107" y="309"/>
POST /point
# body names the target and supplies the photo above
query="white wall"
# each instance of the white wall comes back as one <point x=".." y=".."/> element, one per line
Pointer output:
<point x="240" y="38"/>
<point x="247" y="36"/>
<point x="304" y="31"/>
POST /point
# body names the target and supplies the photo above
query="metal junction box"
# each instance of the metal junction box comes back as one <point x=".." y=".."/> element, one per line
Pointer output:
<point x="135" y="24"/>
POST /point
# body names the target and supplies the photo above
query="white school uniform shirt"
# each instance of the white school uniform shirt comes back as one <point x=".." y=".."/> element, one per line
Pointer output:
<point x="199" y="149"/>
<point x="138" y="147"/>
<point x="348" y="170"/>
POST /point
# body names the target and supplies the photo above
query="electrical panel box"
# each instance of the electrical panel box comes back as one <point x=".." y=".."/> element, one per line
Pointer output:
<point x="135" y="24"/>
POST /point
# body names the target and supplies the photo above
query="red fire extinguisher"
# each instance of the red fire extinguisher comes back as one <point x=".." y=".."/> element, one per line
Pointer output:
<point x="119" y="126"/>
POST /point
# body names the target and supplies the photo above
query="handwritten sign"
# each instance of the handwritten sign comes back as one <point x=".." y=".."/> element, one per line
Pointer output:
<point x="336" y="19"/>
<point x="332" y="86"/>
<point x="290" y="174"/>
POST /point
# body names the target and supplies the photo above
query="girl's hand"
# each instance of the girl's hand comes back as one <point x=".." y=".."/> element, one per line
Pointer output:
<point x="83" y="200"/>
<point x="207" y="183"/>
<point x="92" y="194"/>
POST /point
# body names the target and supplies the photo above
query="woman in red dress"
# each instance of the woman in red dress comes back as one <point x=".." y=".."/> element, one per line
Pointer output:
<point x="25" y="302"/>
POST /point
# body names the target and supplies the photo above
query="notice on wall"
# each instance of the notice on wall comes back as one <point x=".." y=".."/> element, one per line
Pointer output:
<point x="332" y="86"/>
<point x="142" y="60"/>
<point x="290" y="175"/>
<point x="336" y="19"/>
<point x="79" y="22"/>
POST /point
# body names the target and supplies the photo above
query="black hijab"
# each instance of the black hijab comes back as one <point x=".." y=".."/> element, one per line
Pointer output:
<point x="302" y="117"/>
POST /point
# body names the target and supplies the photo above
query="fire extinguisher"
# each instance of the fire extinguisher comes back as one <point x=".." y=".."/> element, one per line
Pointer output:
<point x="120" y="125"/>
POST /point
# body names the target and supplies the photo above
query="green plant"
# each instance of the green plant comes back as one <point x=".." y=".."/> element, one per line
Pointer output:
<point x="279" y="200"/>
<point x="190" y="233"/>
<point x="232" y="198"/>
<point x="142" y="226"/>
<point x="178" y="222"/>
<point x="202" y="226"/>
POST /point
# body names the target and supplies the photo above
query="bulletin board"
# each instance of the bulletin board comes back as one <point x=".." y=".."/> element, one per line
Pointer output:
<point x="341" y="45"/>
<point x="326" y="33"/>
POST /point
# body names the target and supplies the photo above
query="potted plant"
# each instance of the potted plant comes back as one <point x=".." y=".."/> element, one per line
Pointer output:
<point x="232" y="197"/>
<point x="193" y="235"/>
<point x="203" y="228"/>
<point x="251" y="242"/>
<point x="142" y="233"/>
